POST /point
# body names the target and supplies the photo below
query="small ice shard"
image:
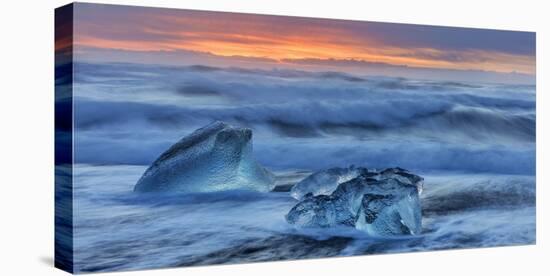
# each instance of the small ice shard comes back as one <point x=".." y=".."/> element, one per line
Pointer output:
<point x="216" y="157"/>
<point x="324" y="182"/>
<point x="373" y="202"/>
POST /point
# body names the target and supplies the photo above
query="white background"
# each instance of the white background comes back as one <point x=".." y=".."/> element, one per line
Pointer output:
<point x="26" y="133"/>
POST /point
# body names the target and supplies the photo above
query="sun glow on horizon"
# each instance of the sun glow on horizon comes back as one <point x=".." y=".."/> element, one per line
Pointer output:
<point x="284" y="40"/>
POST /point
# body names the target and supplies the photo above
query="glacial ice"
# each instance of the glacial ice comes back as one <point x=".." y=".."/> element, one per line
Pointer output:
<point x="213" y="158"/>
<point x="379" y="203"/>
<point x="324" y="182"/>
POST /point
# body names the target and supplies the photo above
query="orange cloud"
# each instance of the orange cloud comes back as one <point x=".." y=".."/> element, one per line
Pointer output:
<point x="282" y="38"/>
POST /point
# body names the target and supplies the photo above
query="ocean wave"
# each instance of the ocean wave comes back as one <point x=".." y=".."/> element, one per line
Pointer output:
<point x="314" y="154"/>
<point x="146" y="84"/>
<point x="309" y="119"/>
<point x="411" y="155"/>
<point x="446" y="194"/>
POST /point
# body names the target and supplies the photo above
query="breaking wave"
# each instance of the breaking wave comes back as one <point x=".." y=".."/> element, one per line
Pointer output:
<point x="307" y="120"/>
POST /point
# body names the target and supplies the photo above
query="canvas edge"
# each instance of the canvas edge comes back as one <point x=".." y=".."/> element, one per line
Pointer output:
<point x="64" y="31"/>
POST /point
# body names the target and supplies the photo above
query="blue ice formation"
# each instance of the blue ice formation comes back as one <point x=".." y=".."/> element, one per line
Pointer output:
<point x="384" y="203"/>
<point x="216" y="157"/>
<point x="324" y="182"/>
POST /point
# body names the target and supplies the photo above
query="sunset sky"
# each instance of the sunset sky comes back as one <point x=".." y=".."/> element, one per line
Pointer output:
<point x="146" y="35"/>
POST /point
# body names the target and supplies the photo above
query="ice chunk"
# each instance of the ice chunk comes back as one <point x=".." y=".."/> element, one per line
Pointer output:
<point x="388" y="214"/>
<point x="403" y="176"/>
<point x="314" y="211"/>
<point x="213" y="158"/>
<point x="379" y="203"/>
<point x="324" y="182"/>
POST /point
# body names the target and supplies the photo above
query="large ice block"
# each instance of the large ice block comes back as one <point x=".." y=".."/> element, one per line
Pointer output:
<point x="213" y="158"/>
<point x="379" y="203"/>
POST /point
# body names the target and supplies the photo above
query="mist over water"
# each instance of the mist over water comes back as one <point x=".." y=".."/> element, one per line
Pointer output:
<point x="308" y="120"/>
<point x="474" y="144"/>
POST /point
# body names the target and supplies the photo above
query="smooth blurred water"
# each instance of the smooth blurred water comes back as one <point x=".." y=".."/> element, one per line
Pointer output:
<point x="306" y="120"/>
<point x="116" y="229"/>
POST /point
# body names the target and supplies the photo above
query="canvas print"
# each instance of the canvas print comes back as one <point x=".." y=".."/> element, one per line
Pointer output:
<point x="189" y="138"/>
